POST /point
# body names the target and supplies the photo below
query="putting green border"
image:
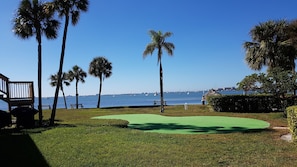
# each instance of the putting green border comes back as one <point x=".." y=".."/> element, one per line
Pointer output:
<point x="189" y="124"/>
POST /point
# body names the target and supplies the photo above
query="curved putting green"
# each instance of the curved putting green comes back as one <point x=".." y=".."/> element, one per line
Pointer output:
<point x="189" y="124"/>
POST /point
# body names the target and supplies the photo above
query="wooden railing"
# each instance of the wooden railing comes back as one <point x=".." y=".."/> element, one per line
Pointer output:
<point x="3" y="84"/>
<point x="16" y="93"/>
<point x="21" y="90"/>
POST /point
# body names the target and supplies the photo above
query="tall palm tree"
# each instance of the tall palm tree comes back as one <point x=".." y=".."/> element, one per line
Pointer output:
<point x="158" y="42"/>
<point x="267" y="47"/>
<point x="292" y="32"/>
<point x="100" y="67"/>
<point x="34" y="18"/>
<point x="292" y="42"/>
<point x="70" y="9"/>
<point x="78" y="74"/>
<point x="65" y="80"/>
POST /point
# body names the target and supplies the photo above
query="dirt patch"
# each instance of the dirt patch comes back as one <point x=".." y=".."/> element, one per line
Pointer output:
<point x="287" y="137"/>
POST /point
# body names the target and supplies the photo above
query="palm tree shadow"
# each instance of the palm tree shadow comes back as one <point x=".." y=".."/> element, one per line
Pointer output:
<point x="190" y="128"/>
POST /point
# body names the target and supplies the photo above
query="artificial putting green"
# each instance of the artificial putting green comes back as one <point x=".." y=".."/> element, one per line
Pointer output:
<point x="189" y="124"/>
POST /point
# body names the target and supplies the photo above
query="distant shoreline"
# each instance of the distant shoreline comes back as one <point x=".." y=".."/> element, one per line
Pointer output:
<point x="115" y="94"/>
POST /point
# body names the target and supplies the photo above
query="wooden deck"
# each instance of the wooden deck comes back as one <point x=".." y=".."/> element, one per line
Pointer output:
<point x="16" y="93"/>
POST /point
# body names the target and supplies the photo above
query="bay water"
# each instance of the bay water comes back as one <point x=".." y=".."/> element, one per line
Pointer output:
<point x="120" y="100"/>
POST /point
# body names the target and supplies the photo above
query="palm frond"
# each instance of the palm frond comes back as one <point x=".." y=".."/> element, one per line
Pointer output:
<point x="51" y="29"/>
<point x="169" y="47"/>
<point x="76" y="73"/>
<point x="71" y="8"/>
<point x="75" y="15"/>
<point x="149" y="49"/>
<point x="167" y="34"/>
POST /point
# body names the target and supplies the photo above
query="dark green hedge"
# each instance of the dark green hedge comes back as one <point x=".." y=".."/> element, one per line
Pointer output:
<point x="250" y="103"/>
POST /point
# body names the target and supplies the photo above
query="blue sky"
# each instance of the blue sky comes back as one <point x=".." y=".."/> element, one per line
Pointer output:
<point x="208" y="36"/>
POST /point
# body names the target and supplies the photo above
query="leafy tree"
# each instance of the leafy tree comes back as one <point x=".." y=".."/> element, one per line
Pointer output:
<point x="279" y="82"/>
<point x="158" y="42"/>
<point x="54" y="82"/>
<point x="250" y="83"/>
<point x="34" y="18"/>
<point x="267" y="47"/>
<point x="100" y="67"/>
<point x="78" y="74"/>
<point x="70" y="9"/>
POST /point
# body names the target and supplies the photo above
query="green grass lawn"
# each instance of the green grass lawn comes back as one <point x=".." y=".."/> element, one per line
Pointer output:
<point x="78" y="140"/>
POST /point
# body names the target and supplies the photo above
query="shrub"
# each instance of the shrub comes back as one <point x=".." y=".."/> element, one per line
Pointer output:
<point x="292" y="121"/>
<point x="250" y="103"/>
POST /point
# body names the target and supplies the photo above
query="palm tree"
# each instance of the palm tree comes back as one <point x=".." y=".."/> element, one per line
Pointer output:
<point x="78" y="74"/>
<point x="292" y="42"/>
<point x="102" y="68"/>
<point x="158" y="42"/>
<point x="70" y="9"/>
<point x="34" y="18"/>
<point x="54" y="82"/>
<point x="267" y="47"/>
<point x="292" y="31"/>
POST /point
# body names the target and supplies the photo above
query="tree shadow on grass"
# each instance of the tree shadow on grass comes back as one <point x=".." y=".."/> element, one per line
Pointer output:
<point x="19" y="149"/>
<point x="190" y="128"/>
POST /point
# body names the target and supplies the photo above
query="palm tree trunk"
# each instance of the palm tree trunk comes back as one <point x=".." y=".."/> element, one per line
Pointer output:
<point x="76" y="94"/>
<point x="38" y="36"/>
<point x="99" y="97"/>
<point x="53" y="114"/>
<point x="161" y="88"/>
<point x="64" y="97"/>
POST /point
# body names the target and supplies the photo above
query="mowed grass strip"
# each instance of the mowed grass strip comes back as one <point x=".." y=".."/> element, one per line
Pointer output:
<point x="79" y="141"/>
